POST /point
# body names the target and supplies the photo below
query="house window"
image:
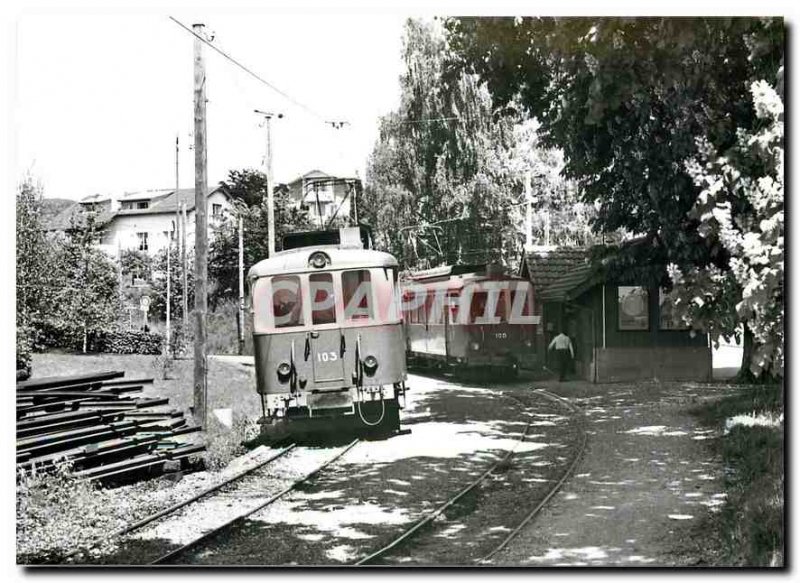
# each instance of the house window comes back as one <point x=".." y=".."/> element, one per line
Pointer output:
<point x="142" y="241"/>
<point x="143" y="204"/>
<point x="216" y="211"/>
<point x="667" y="320"/>
<point x="632" y="304"/>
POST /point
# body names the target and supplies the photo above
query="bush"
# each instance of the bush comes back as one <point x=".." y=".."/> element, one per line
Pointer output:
<point x="48" y="335"/>
<point x="24" y="349"/>
<point x="55" y="513"/>
<point x="127" y="342"/>
<point x="223" y="333"/>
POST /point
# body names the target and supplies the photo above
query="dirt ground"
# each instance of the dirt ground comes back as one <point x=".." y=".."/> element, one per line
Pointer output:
<point x="644" y="489"/>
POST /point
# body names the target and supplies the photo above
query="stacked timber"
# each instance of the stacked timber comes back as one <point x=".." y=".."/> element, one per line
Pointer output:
<point x="100" y="425"/>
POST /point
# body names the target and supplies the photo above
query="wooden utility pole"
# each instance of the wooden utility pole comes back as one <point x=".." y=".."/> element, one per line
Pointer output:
<point x="200" y="233"/>
<point x="241" y="283"/>
<point x="355" y="200"/>
<point x="529" y="221"/>
<point x="185" y="272"/>
<point x="270" y="195"/>
<point x="169" y="290"/>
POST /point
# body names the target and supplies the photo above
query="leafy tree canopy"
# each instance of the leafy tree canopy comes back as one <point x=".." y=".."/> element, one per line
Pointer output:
<point x="223" y="260"/>
<point x="625" y="98"/>
<point x="446" y="175"/>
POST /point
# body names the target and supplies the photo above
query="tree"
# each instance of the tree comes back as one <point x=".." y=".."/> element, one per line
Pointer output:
<point x="247" y="185"/>
<point x="136" y="265"/>
<point x="35" y="258"/>
<point x="34" y="288"/>
<point x="445" y="177"/>
<point x="223" y="259"/>
<point x="87" y="284"/>
<point x="625" y="98"/>
<point x="158" y="305"/>
<point x="741" y="207"/>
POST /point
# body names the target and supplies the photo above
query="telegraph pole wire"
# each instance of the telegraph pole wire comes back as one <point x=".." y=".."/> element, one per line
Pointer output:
<point x="249" y="71"/>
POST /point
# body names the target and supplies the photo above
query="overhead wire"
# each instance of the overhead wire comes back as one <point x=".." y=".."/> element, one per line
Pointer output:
<point x="298" y="103"/>
<point x="250" y="71"/>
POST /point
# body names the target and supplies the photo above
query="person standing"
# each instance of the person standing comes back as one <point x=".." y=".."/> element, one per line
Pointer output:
<point x="564" y="353"/>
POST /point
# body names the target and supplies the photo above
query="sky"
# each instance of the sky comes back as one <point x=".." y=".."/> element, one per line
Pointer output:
<point x="101" y="96"/>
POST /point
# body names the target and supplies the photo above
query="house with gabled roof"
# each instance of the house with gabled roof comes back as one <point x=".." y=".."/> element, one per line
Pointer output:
<point x="325" y="197"/>
<point x="144" y="220"/>
<point x="620" y="322"/>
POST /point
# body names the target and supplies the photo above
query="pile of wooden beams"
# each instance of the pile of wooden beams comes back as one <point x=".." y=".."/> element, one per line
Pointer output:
<point x="100" y="424"/>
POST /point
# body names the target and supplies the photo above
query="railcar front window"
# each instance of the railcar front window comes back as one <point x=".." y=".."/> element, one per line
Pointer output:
<point x="522" y="301"/>
<point x="323" y="305"/>
<point x="287" y="301"/>
<point x="357" y="295"/>
<point x="478" y="306"/>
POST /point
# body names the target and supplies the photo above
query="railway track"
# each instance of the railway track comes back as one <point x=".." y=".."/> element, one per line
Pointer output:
<point x="405" y="538"/>
<point x="554" y="490"/>
<point x="168" y="557"/>
<point x="407" y="535"/>
<point x="139" y="524"/>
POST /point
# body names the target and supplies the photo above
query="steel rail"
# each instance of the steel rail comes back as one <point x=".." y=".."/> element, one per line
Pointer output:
<point x="431" y="516"/>
<point x="270" y="500"/>
<point x="178" y="505"/>
<point x="567" y="473"/>
<point x="428" y="518"/>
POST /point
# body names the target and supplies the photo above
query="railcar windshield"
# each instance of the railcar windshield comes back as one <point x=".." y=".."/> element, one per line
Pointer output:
<point x="522" y="300"/>
<point x="504" y="308"/>
<point x="357" y="295"/>
<point x="480" y="299"/>
<point x="323" y="299"/>
<point x="287" y="301"/>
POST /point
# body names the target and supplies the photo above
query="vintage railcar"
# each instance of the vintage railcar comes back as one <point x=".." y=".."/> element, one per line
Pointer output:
<point x="468" y="316"/>
<point x="327" y="332"/>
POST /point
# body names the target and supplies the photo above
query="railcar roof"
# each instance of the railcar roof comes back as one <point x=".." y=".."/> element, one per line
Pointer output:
<point x="456" y="282"/>
<point x="296" y="260"/>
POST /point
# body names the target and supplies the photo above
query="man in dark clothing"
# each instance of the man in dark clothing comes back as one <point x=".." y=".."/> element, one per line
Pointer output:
<point x="564" y="353"/>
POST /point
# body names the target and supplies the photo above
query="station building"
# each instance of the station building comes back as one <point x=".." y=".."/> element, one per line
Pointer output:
<point x="621" y="326"/>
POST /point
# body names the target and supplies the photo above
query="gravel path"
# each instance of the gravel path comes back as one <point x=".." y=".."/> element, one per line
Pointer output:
<point x="647" y="479"/>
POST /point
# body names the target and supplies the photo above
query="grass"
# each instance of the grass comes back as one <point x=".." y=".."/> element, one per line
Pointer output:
<point x="56" y="513"/>
<point x="230" y="385"/>
<point x="750" y="527"/>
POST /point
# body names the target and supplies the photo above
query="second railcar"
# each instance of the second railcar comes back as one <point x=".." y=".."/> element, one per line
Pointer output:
<point x="469" y="316"/>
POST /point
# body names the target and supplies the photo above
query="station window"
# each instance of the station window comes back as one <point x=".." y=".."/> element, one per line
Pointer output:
<point x="667" y="320"/>
<point x="632" y="308"/>
<point x="287" y="301"/>
<point x="323" y="305"/>
<point x="357" y="295"/>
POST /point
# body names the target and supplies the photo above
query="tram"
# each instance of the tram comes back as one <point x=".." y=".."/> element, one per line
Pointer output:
<point x="327" y="333"/>
<point x="469" y="316"/>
